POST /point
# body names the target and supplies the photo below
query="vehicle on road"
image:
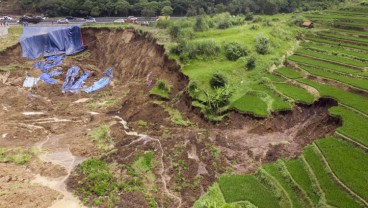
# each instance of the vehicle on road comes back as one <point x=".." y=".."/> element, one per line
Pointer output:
<point x="69" y="17"/>
<point x="91" y="20"/>
<point x="63" y="21"/>
<point x="6" y="18"/>
<point x="119" y="21"/>
<point x="26" y="19"/>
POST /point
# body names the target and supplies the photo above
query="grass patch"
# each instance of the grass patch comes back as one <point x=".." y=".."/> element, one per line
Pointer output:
<point x="332" y="58"/>
<point x="10" y="67"/>
<point x="274" y="170"/>
<point x="246" y="188"/>
<point x="289" y="73"/>
<point x="103" y="100"/>
<point x="17" y="155"/>
<point x="331" y="49"/>
<point x="161" y="89"/>
<point x="298" y="94"/>
<point x="175" y="115"/>
<point x="329" y="66"/>
<point x="251" y="104"/>
<point x="346" y="162"/>
<point x="102" y="138"/>
<point x="354" y="124"/>
<point x="300" y="175"/>
<point x="355" y="101"/>
<point x="334" y="194"/>
<point x="355" y="82"/>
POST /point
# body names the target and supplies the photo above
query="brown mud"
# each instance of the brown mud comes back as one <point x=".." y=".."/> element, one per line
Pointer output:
<point x="61" y="123"/>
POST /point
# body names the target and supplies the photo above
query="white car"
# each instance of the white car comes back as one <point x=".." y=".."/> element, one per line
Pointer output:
<point x="91" y="20"/>
<point x="6" y="18"/>
<point x="62" y="21"/>
<point x="119" y="21"/>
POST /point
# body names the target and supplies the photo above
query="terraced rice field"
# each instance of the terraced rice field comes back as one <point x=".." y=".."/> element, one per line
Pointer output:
<point x="333" y="170"/>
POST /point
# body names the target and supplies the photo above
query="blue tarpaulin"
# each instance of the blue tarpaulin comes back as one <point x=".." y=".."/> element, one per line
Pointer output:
<point x="103" y="82"/>
<point x="39" y="41"/>
<point x="79" y="83"/>
<point x="69" y="79"/>
<point x="47" y="77"/>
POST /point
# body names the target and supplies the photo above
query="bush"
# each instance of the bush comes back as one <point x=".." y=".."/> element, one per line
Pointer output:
<point x="97" y="179"/>
<point x="224" y="24"/>
<point x="263" y="45"/>
<point x="218" y="81"/>
<point x="163" y="24"/>
<point x="238" y="20"/>
<point x="200" y="24"/>
<point x="249" y="16"/>
<point x="251" y="62"/>
<point x="191" y="50"/>
<point x="174" y="31"/>
<point x="234" y="51"/>
<point x="254" y="27"/>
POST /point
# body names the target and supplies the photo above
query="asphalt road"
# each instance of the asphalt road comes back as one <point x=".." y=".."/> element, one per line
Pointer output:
<point x="98" y="20"/>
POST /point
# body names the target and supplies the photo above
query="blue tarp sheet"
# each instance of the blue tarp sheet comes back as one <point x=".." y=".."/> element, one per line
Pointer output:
<point x="79" y="83"/>
<point x="103" y="82"/>
<point x="39" y="41"/>
<point x="47" y="77"/>
<point x="69" y="79"/>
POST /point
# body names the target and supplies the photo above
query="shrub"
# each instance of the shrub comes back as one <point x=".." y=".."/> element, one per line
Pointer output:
<point x="263" y="45"/>
<point x="174" y="31"/>
<point x="97" y="178"/>
<point x="249" y="16"/>
<point x="200" y="24"/>
<point x="224" y="24"/>
<point x="251" y="62"/>
<point x="218" y="81"/>
<point x="191" y="50"/>
<point x="254" y="27"/>
<point x="238" y="20"/>
<point x="234" y="51"/>
<point x="163" y="24"/>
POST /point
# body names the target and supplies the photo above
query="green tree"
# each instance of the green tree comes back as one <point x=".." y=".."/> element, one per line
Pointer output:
<point x="122" y="7"/>
<point x="167" y="11"/>
<point x="96" y="11"/>
<point x="263" y="45"/>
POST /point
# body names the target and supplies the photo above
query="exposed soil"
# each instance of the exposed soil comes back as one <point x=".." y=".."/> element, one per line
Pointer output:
<point x="205" y="150"/>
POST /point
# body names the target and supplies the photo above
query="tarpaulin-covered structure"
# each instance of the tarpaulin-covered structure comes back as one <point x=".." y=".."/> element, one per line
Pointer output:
<point x="39" y="41"/>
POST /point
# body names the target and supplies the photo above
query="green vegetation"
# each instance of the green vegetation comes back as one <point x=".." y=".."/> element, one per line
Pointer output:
<point x="162" y="88"/>
<point x="332" y="58"/>
<point x="335" y="50"/>
<point x="296" y="93"/>
<point x="175" y="115"/>
<point x="355" y="82"/>
<point x="334" y="194"/>
<point x="350" y="99"/>
<point x="263" y="45"/>
<point x="329" y="66"/>
<point x="246" y="188"/>
<point x="346" y="162"/>
<point x="275" y="170"/>
<point x="300" y="175"/>
<point x="98" y="186"/>
<point x="102" y="138"/>
<point x="252" y="104"/>
<point x="337" y="43"/>
<point x="354" y="124"/>
<point x="17" y="155"/>
<point x="234" y="51"/>
<point x="308" y="181"/>
<point x="289" y="73"/>
<point x="103" y="100"/>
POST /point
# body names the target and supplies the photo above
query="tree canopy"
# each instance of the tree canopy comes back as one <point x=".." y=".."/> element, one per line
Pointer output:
<point x="168" y="7"/>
